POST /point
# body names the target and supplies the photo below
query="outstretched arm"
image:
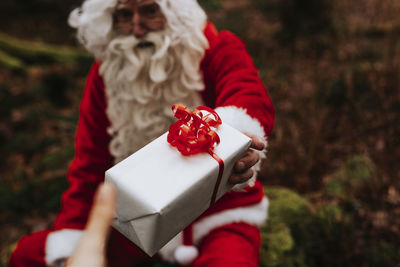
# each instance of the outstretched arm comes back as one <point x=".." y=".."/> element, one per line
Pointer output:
<point x="235" y="89"/>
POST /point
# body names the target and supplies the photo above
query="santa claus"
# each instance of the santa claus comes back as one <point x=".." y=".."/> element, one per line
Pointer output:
<point x="151" y="54"/>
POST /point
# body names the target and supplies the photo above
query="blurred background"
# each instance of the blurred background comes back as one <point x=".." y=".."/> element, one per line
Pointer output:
<point x="332" y="69"/>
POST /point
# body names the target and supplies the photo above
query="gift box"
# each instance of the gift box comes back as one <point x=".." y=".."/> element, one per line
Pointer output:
<point x="160" y="191"/>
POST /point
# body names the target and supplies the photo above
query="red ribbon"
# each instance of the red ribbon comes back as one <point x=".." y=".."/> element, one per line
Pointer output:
<point x="193" y="134"/>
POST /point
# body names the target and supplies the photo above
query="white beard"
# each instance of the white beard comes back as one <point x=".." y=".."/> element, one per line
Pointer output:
<point x="142" y="84"/>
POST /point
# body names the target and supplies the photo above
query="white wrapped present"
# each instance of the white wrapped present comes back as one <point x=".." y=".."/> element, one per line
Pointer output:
<point x="160" y="191"/>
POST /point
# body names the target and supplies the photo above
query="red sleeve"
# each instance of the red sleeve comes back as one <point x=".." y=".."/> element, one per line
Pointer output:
<point x="232" y="80"/>
<point x="92" y="157"/>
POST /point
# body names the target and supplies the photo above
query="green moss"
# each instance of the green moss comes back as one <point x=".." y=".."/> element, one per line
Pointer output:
<point x="9" y="61"/>
<point x="287" y="213"/>
<point x="299" y="233"/>
<point x="335" y="187"/>
<point x="277" y="240"/>
<point x="356" y="172"/>
<point x="359" y="170"/>
<point x="286" y="205"/>
<point x="35" y="52"/>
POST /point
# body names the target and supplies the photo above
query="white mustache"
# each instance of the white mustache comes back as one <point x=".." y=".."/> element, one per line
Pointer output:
<point x="131" y="55"/>
<point x="158" y="40"/>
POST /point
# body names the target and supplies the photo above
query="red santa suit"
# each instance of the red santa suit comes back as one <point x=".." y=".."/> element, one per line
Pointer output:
<point x="227" y="233"/>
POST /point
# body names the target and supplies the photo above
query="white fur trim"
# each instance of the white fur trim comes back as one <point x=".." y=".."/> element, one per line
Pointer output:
<point x="241" y="121"/>
<point x="254" y="215"/>
<point x="61" y="244"/>
<point x="185" y="255"/>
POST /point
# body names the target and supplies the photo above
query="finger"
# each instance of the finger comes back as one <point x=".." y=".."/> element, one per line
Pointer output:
<point x="246" y="162"/>
<point x="90" y="251"/>
<point x="102" y="213"/>
<point x="256" y="142"/>
<point x="241" y="178"/>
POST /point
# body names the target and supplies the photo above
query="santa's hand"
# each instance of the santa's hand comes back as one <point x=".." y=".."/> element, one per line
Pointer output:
<point x="242" y="171"/>
<point x="90" y="251"/>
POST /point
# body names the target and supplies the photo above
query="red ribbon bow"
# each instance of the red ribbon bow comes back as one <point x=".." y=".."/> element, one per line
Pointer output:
<point x="193" y="134"/>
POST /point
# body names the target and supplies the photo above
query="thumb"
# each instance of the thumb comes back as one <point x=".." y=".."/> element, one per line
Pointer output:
<point x="102" y="213"/>
<point x="91" y="249"/>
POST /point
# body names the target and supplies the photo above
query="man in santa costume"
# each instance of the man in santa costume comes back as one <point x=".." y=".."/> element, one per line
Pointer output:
<point x="150" y="55"/>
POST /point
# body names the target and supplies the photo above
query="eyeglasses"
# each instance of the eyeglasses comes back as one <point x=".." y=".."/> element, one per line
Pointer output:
<point x="132" y="17"/>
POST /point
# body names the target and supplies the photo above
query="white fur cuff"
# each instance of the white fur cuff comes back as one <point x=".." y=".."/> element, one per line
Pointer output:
<point x="61" y="244"/>
<point x="241" y="121"/>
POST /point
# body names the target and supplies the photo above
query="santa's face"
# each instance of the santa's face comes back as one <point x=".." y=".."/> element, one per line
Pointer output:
<point x="138" y="17"/>
<point x="151" y="61"/>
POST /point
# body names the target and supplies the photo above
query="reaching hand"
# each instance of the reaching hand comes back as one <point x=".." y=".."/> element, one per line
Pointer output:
<point x="90" y="251"/>
<point x="242" y="171"/>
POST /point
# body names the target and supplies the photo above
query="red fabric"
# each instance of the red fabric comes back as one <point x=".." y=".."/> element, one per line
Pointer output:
<point x="233" y="245"/>
<point x="30" y="251"/>
<point x="187" y="236"/>
<point x="120" y="251"/>
<point x="231" y="79"/>
<point x="236" y="244"/>
<point x="237" y="199"/>
<point x="92" y="157"/>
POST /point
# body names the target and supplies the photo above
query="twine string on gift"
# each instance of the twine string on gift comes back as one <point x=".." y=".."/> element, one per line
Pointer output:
<point x="193" y="133"/>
